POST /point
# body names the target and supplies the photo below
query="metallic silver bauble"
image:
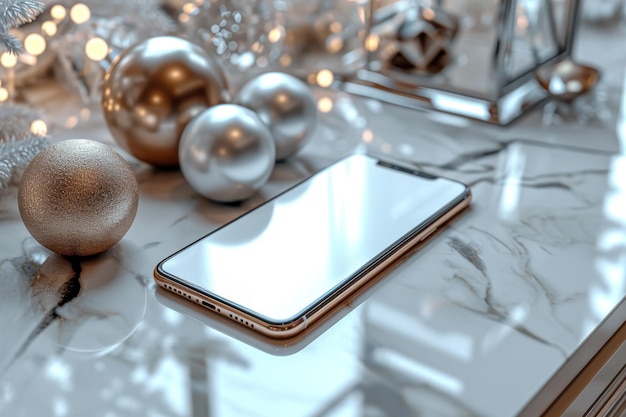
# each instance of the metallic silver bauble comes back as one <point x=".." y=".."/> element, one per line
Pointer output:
<point x="78" y="197"/>
<point x="153" y="89"/>
<point x="226" y="153"/>
<point x="286" y="105"/>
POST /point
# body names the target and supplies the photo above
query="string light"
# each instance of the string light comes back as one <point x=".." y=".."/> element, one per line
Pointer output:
<point x="58" y="12"/>
<point x="35" y="44"/>
<point x="49" y="28"/>
<point x="325" y="105"/>
<point x="275" y="34"/>
<point x="4" y="94"/>
<point x="324" y="78"/>
<point x="8" y="60"/>
<point x="96" y="49"/>
<point x="189" y="8"/>
<point x="39" y="127"/>
<point x="372" y="42"/>
<point x="285" y="60"/>
<point x="335" y="43"/>
<point x="80" y="13"/>
<point x="428" y="13"/>
<point x="336" y="26"/>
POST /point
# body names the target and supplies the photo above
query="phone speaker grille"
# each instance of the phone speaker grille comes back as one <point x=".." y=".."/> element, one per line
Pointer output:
<point x="208" y="305"/>
<point x="241" y="320"/>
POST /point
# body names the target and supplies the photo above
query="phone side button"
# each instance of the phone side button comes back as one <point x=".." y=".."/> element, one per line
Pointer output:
<point x="428" y="232"/>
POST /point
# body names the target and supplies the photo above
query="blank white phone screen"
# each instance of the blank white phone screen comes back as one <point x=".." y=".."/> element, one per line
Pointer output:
<point x="279" y="258"/>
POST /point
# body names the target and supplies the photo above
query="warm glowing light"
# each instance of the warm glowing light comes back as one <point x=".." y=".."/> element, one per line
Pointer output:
<point x="368" y="136"/>
<point x="96" y="49"/>
<point x="189" y="8"/>
<point x="324" y="78"/>
<point x="285" y="60"/>
<point x="324" y="104"/>
<point x="49" y="28"/>
<point x="4" y="94"/>
<point x="183" y="18"/>
<point x="8" y="60"/>
<point x="84" y="113"/>
<point x="275" y="34"/>
<point x="35" y="44"/>
<point x="372" y="42"/>
<point x="336" y="27"/>
<point x="428" y="13"/>
<point x="80" y="13"/>
<point x="39" y="127"/>
<point x="58" y="12"/>
<point x="335" y="44"/>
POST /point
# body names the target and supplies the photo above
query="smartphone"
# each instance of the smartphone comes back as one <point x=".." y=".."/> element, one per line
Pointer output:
<point x="284" y="265"/>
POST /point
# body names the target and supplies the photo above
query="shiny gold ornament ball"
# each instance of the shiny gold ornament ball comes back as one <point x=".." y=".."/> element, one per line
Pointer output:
<point x="153" y="89"/>
<point x="78" y="197"/>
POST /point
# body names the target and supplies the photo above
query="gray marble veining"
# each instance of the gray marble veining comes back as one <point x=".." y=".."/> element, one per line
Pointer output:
<point x="473" y="324"/>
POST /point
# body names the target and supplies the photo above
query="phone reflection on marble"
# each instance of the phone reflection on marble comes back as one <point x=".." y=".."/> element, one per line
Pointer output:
<point x="283" y="266"/>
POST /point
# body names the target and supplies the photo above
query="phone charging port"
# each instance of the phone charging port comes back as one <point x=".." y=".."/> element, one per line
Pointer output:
<point x="208" y="304"/>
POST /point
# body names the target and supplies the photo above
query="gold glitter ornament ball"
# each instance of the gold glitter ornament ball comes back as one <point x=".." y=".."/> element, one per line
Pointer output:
<point x="153" y="89"/>
<point x="78" y="197"/>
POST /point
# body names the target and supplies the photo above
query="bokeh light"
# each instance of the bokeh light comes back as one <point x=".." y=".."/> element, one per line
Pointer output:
<point x="80" y="13"/>
<point x="8" y="60"/>
<point x="58" y="12"/>
<point x="39" y="127"/>
<point x="324" y="78"/>
<point x="35" y="44"/>
<point x="49" y="28"/>
<point x="325" y="104"/>
<point x="96" y="49"/>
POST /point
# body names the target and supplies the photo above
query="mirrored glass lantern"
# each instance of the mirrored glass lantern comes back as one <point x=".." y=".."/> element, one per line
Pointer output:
<point x="474" y="58"/>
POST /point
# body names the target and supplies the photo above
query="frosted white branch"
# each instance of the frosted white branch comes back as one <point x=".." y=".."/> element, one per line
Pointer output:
<point x="18" y="146"/>
<point x="14" y="13"/>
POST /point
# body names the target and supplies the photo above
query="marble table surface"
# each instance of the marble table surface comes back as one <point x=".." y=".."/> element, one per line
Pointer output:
<point x="474" y="324"/>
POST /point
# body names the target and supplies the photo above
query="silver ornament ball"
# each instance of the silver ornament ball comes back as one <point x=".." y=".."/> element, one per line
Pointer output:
<point x="226" y="153"/>
<point x="286" y="105"/>
<point x="151" y="92"/>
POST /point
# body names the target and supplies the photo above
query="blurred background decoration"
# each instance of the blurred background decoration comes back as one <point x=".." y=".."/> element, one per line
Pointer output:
<point x="301" y="37"/>
<point x="74" y="41"/>
<point x="474" y="58"/>
<point x="466" y="57"/>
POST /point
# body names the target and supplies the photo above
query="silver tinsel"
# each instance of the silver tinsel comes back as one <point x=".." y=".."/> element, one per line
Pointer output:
<point x="18" y="145"/>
